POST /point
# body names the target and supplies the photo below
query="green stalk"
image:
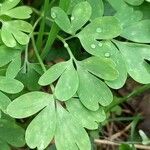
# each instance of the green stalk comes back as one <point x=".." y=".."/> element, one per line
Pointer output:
<point x="40" y="60"/>
<point x="67" y="47"/>
<point x="37" y="54"/>
<point x="136" y="92"/>
<point x="26" y="50"/>
<point x="64" y="4"/>
<point x="42" y="25"/>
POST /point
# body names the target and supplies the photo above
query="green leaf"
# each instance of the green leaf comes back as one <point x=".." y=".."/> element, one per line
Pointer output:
<point x="7" y="85"/>
<point x="12" y="133"/>
<point x="14" y="67"/>
<point x="97" y="8"/>
<point x="137" y="67"/>
<point x="22" y="12"/>
<point x="139" y="32"/>
<point x="125" y="147"/>
<point x="8" y="4"/>
<point x="102" y="67"/>
<point x="125" y="20"/>
<point x="41" y="130"/>
<point x="4" y="145"/>
<point x="108" y="50"/>
<point x="7" y="37"/>
<point x="7" y="54"/>
<point x="71" y="131"/>
<point x="88" y="119"/>
<point x="29" y="104"/>
<point x="80" y="15"/>
<point x="67" y="84"/>
<point x="31" y="77"/>
<point x="123" y="11"/>
<point x="100" y="28"/>
<point x="134" y="2"/>
<point x="118" y="5"/>
<point x="92" y="91"/>
<point x="61" y="18"/>
<point x="115" y="55"/>
<point x="144" y="8"/>
<point x="106" y="27"/>
<point x="13" y="31"/>
<point x="145" y="139"/>
<point x="52" y="74"/>
<point x="4" y="102"/>
<point x="73" y="3"/>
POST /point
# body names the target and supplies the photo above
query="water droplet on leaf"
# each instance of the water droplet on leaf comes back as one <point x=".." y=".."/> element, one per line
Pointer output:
<point x="107" y="55"/>
<point x="99" y="30"/>
<point x="72" y="18"/>
<point x="53" y="15"/>
<point x="93" y="46"/>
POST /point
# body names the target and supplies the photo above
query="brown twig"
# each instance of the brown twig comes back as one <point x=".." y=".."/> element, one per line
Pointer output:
<point x="106" y="142"/>
<point x="115" y="136"/>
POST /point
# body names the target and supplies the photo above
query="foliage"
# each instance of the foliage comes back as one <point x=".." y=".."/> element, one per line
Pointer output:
<point x="102" y="47"/>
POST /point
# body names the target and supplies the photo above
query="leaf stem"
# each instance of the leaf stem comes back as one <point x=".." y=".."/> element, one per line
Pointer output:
<point x="37" y="54"/>
<point x="41" y="14"/>
<point x="54" y="31"/>
<point x="67" y="47"/>
<point x="136" y="92"/>
<point x="26" y="50"/>
<point x="40" y="61"/>
<point x="42" y="25"/>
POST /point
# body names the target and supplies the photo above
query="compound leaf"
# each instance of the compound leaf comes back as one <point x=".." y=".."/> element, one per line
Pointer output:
<point x="13" y="31"/>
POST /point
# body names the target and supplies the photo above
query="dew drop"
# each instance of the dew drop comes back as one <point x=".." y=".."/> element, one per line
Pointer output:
<point x="93" y="46"/>
<point x="107" y="55"/>
<point x="100" y="44"/>
<point x="72" y="18"/>
<point x="98" y="30"/>
<point x="66" y="45"/>
<point x="53" y="15"/>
